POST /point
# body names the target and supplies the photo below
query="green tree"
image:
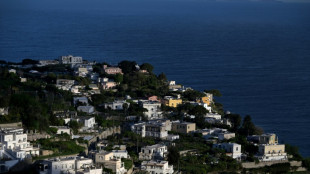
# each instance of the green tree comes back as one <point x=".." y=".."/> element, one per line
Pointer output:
<point x="29" y="61"/>
<point x="306" y="163"/>
<point x="127" y="66"/>
<point x="293" y="150"/>
<point x="215" y="92"/>
<point x="118" y="78"/>
<point x="147" y="66"/>
<point x="162" y="77"/>
<point x="192" y="95"/>
<point x="173" y="155"/>
<point x="198" y="110"/>
<point x="235" y="120"/>
<point x="248" y="127"/>
<point x="74" y="125"/>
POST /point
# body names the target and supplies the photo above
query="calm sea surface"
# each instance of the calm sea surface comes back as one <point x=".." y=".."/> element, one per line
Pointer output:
<point x="256" y="54"/>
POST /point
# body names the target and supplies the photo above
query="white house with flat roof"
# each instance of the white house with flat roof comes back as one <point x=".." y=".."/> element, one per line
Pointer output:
<point x="119" y="154"/>
<point x="157" y="167"/>
<point x="77" y="100"/>
<point x="86" y="109"/>
<point x="232" y="149"/>
<point x="154" y="152"/>
<point x="89" y="122"/>
<point x="156" y="129"/>
<point x="153" y="109"/>
<point x="116" y="105"/>
<point x="62" y="130"/>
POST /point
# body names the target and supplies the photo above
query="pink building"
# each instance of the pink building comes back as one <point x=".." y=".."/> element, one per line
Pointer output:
<point x="153" y="98"/>
<point x="108" y="85"/>
<point x="112" y="70"/>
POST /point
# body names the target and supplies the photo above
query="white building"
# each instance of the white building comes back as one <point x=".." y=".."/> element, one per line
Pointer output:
<point x="4" y="111"/>
<point x="211" y="133"/>
<point x="12" y="71"/>
<point x="157" y="167"/>
<point x="70" y="60"/>
<point x="119" y="154"/>
<point x="154" y="152"/>
<point x="226" y="136"/>
<point x="171" y="83"/>
<point x="23" y="79"/>
<point x="86" y="109"/>
<point x="82" y="100"/>
<point x="75" y="89"/>
<point x="47" y="62"/>
<point x="64" y="84"/>
<point x="68" y="165"/>
<point x="153" y="109"/>
<point x="89" y="122"/>
<point x="103" y="79"/>
<point x="172" y="137"/>
<point x="156" y="129"/>
<point x="213" y="115"/>
<point x="14" y="144"/>
<point x="232" y="149"/>
<point x="62" y="130"/>
<point x="116" y="105"/>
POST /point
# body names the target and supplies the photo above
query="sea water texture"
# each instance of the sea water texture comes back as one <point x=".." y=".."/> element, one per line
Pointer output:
<point x="256" y="53"/>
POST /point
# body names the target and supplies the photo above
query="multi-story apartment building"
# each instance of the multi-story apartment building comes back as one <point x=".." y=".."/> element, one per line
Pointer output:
<point x="153" y="109"/>
<point x="271" y="152"/>
<point x="15" y="145"/>
<point x="154" y="152"/>
<point x="156" y="129"/>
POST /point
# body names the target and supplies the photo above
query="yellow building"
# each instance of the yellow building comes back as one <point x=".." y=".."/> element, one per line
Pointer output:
<point x="268" y="139"/>
<point x="108" y="161"/>
<point x="271" y="152"/>
<point x="271" y="149"/>
<point x="183" y="127"/>
<point x="174" y="102"/>
<point x="208" y="99"/>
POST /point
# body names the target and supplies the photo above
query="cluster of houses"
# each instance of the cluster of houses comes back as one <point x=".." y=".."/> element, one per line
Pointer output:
<point x="14" y="144"/>
<point x="83" y="69"/>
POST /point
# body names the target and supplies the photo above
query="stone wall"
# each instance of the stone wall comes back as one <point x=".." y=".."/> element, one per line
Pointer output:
<point x="12" y="125"/>
<point x="35" y="136"/>
<point x="104" y="134"/>
<point x="250" y="165"/>
<point x="295" y="164"/>
<point x="46" y="152"/>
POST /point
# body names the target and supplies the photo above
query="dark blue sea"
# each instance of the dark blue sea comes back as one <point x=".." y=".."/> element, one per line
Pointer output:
<point x="256" y="53"/>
